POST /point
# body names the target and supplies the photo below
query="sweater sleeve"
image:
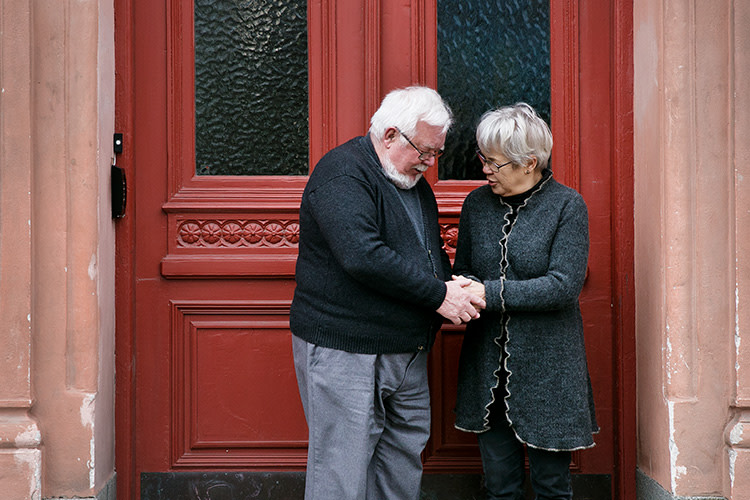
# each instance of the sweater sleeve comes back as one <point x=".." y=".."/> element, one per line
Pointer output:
<point x="561" y="285"/>
<point x="346" y="212"/>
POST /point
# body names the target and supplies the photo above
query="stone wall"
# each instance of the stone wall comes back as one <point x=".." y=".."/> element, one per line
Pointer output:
<point x="56" y="249"/>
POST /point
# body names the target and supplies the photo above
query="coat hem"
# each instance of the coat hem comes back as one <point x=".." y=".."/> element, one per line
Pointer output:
<point x="558" y="449"/>
<point x="582" y="447"/>
<point x="469" y="430"/>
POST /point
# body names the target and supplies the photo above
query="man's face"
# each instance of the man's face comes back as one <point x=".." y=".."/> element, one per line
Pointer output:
<point x="402" y="161"/>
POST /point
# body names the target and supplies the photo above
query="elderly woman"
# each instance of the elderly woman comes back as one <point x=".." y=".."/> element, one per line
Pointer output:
<point x="523" y="377"/>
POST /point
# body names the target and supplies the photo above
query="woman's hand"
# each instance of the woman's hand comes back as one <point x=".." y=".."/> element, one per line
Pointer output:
<point x="471" y="286"/>
<point x="459" y="305"/>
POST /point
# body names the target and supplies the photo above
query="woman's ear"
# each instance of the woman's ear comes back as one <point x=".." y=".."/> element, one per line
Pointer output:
<point x="531" y="164"/>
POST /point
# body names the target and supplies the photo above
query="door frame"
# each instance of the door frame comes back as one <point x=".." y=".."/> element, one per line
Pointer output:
<point x="623" y="257"/>
<point x="324" y="86"/>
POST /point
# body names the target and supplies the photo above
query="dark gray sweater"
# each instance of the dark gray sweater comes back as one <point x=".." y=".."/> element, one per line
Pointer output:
<point x="533" y="279"/>
<point x="365" y="281"/>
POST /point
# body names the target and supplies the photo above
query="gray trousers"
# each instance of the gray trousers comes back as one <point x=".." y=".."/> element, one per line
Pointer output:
<point x="368" y="418"/>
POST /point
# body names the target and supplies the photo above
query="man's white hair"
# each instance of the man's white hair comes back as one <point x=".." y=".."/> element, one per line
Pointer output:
<point x="404" y="108"/>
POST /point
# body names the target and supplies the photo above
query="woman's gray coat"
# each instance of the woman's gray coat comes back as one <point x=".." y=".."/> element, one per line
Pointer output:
<point x="532" y="284"/>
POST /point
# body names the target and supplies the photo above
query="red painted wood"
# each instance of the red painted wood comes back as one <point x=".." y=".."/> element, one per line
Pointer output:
<point x="592" y="177"/>
<point x="235" y="398"/>
<point x="449" y="450"/>
<point x="623" y="244"/>
<point x="194" y="302"/>
<point x="125" y="259"/>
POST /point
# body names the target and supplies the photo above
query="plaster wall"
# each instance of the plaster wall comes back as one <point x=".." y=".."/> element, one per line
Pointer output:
<point x="20" y="440"/>
<point x="104" y="418"/>
<point x="56" y="248"/>
<point x="738" y="430"/>
<point x="685" y="240"/>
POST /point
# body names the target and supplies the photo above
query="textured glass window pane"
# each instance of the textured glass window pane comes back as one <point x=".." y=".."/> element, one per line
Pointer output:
<point x="490" y="54"/>
<point x="251" y="87"/>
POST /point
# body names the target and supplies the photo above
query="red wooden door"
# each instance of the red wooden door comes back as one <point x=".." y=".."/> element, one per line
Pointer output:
<point x="205" y="378"/>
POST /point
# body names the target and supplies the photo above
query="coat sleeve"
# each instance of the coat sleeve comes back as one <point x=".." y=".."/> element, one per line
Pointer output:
<point x="561" y="285"/>
<point x="345" y="210"/>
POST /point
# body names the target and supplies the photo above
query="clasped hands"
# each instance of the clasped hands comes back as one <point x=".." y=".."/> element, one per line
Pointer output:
<point x="464" y="299"/>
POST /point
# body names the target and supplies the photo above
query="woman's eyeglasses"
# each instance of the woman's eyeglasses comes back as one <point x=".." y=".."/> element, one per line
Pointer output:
<point x="493" y="166"/>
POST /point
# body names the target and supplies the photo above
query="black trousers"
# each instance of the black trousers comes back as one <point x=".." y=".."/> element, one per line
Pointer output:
<point x="503" y="463"/>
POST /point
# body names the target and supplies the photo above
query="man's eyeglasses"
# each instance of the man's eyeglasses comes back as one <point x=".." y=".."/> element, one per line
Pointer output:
<point x="493" y="166"/>
<point x="423" y="155"/>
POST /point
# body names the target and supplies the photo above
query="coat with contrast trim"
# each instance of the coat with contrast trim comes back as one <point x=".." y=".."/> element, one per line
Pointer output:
<point x="532" y="314"/>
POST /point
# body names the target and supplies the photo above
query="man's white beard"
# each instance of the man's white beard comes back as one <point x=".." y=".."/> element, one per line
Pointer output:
<point x="402" y="181"/>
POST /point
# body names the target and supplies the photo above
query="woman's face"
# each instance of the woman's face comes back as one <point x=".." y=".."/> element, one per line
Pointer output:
<point x="505" y="177"/>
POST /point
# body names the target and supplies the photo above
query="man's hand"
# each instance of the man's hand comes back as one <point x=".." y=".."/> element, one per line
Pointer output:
<point x="460" y="305"/>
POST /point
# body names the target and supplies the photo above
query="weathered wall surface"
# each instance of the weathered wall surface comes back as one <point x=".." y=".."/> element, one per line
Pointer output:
<point x="56" y="248"/>
<point x="691" y="244"/>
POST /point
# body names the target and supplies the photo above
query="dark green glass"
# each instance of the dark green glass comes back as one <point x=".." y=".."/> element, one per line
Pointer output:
<point x="251" y="115"/>
<point x="490" y="54"/>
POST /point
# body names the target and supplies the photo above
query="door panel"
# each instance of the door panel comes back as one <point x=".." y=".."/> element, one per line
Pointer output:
<point x="205" y="374"/>
<point x="234" y="398"/>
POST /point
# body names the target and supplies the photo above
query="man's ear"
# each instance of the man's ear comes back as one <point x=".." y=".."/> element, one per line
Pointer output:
<point x="390" y="135"/>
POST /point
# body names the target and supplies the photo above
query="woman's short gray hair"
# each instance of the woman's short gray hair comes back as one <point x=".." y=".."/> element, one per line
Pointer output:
<point x="404" y="108"/>
<point x="517" y="132"/>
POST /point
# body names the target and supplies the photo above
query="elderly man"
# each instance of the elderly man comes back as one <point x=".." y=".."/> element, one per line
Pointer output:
<point x="373" y="285"/>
